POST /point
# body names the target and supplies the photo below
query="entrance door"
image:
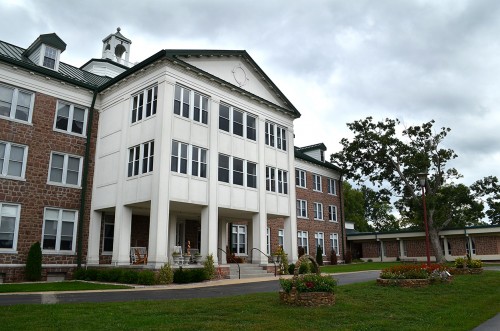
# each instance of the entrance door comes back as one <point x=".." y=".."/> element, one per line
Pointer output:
<point x="239" y="240"/>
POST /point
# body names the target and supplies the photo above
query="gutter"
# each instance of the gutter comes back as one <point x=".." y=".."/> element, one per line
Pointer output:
<point x="342" y="220"/>
<point x="84" y="182"/>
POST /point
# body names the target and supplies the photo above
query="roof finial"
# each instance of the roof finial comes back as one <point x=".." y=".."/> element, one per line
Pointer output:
<point x="118" y="29"/>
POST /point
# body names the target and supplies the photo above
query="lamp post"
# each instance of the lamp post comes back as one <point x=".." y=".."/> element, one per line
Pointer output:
<point x="422" y="177"/>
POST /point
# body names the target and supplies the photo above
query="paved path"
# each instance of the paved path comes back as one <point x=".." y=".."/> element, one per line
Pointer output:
<point x="214" y="289"/>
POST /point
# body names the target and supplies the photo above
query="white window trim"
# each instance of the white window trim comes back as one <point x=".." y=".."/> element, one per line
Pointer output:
<point x="245" y="232"/>
<point x="245" y="173"/>
<point x="320" y="241"/>
<point x="144" y="93"/>
<point x="332" y="242"/>
<point x="16" y="227"/>
<point x="150" y="157"/>
<point x="272" y="140"/>
<point x="318" y="207"/>
<point x="274" y="175"/>
<point x="314" y="183"/>
<point x="305" y="205"/>
<point x="336" y="220"/>
<point x="281" y="237"/>
<point x="245" y="122"/>
<point x="105" y="221"/>
<point x="199" y="161"/>
<point x="13" y="106"/>
<point x="268" y="241"/>
<point x="57" y="250"/>
<point x="70" y="119"/>
<point x="303" y="235"/>
<point x="42" y="57"/>
<point x="65" y="170"/>
<point x="332" y="183"/>
<point x="301" y="172"/>
<point x="4" y="167"/>
<point x="192" y="93"/>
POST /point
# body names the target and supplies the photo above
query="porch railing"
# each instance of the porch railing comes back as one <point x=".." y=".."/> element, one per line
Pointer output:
<point x="268" y="258"/>
<point x="231" y="258"/>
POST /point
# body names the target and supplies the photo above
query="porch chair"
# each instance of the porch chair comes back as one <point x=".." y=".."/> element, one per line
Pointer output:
<point x="140" y="255"/>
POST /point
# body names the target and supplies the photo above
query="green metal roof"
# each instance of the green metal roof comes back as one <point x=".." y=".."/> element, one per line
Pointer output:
<point x="300" y="155"/>
<point x="320" y="146"/>
<point x="14" y="55"/>
<point x="50" y="39"/>
<point x="356" y="233"/>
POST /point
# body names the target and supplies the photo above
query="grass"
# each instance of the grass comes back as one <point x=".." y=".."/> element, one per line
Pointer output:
<point x="462" y="305"/>
<point x="57" y="286"/>
<point x="358" y="267"/>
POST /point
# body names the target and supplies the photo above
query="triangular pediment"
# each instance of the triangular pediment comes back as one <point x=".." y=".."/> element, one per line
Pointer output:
<point x="236" y="68"/>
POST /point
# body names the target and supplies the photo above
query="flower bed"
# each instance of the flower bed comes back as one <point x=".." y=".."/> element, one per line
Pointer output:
<point x="309" y="289"/>
<point x="466" y="265"/>
<point x="414" y="275"/>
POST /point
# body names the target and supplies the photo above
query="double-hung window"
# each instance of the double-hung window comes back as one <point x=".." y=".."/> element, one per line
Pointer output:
<point x="320" y="241"/>
<point x="190" y="104"/>
<point x="334" y="241"/>
<point x="179" y="159"/>
<point x="251" y="174"/>
<point x="302" y="208"/>
<point x="332" y="186"/>
<point x="140" y="159"/>
<point x="12" y="160"/>
<point x="318" y="211"/>
<point x="332" y="213"/>
<point x="300" y="178"/>
<point x="275" y="135"/>
<point x="70" y="118"/>
<point x="282" y="181"/>
<point x="50" y="57"/>
<point x="9" y="226"/>
<point x="234" y="120"/>
<point x="317" y="183"/>
<point x="281" y="237"/>
<point x="65" y="169"/>
<point x="144" y="104"/>
<point x="59" y="230"/>
<point x="16" y="104"/>
<point x="302" y="241"/>
<point x="270" y="179"/>
<point x="237" y="171"/>
<point x="198" y="162"/>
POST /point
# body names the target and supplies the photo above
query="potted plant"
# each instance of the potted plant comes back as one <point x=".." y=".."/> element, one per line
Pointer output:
<point x="475" y="266"/>
<point x="176" y="256"/>
<point x="187" y="258"/>
<point x="198" y="257"/>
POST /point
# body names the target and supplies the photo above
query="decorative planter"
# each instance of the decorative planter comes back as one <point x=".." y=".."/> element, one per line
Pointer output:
<point x="307" y="299"/>
<point x="404" y="282"/>
<point x="177" y="259"/>
<point x="187" y="257"/>
<point x="198" y="259"/>
<point x="475" y="270"/>
<point x="466" y="271"/>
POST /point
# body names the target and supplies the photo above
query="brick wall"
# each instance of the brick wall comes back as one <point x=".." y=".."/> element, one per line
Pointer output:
<point x="33" y="193"/>
<point x="391" y="248"/>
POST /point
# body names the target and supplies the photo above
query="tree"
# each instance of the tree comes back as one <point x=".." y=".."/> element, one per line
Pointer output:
<point x="488" y="190"/>
<point x="33" y="271"/>
<point x="392" y="160"/>
<point x="354" y="207"/>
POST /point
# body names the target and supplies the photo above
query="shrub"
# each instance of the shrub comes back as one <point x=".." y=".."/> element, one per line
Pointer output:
<point x="283" y="264"/>
<point x="460" y="262"/>
<point x="333" y="257"/>
<point x="473" y="264"/>
<point x="413" y="271"/>
<point x="146" y="277"/>
<point x="291" y="268"/>
<point x="128" y="277"/>
<point x="309" y="283"/>
<point x="319" y="255"/>
<point x="209" y="267"/>
<point x="165" y="275"/>
<point x="182" y="276"/>
<point x="33" y="269"/>
<point x="301" y="251"/>
<point x="369" y="260"/>
<point x="79" y="274"/>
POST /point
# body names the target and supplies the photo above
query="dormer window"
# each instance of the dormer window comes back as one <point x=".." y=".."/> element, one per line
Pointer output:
<point x="50" y="58"/>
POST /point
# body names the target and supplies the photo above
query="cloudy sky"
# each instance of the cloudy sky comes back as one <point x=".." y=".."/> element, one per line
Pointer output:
<point x="337" y="61"/>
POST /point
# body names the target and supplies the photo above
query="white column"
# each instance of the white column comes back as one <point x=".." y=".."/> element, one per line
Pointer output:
<point x="290" y="240"/>
<point x="160" y="198"/>
<point x="94" y="237"/>
<point x="259" y="237"/>
<point x="401" y="248"/>
<point x="172" y="228"/>
<point x="121" y="241"/>
<point x="223" y="233"/>
<point x="447" y="256"/>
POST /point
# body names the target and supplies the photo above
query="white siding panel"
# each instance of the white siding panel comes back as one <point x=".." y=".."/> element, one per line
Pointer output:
<point x="179" y="187"/>
<point x="239" y="147"/>
<point x="238" y="197"/>
<point x="224" y="195"/>
<point x="198" y="191"/>
<point x="271" y="203"/>
<point x="181" y="129"/>
<point x="252" y="200"/>
<point x="225" y="143"/>
<point x="251" y="151"/>
<point x="199" y="135"/>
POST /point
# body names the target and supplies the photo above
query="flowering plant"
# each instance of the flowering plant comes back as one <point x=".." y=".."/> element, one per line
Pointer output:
<point x="309" y="283"/>
<point x="413" y="271"/>
<point x="473" y="264"/>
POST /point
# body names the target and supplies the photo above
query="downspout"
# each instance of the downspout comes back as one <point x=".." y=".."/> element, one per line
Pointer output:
<point x="342" y="220"/>
<point x="85" y="173"/>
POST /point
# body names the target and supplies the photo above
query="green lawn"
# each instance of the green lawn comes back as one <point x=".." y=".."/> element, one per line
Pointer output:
<point x="358" y="267"/>
<point x="465" y="303"/>
<point x="57" y="286"/>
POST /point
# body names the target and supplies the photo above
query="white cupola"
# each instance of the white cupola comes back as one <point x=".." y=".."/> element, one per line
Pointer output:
<point x="117" y="48"/>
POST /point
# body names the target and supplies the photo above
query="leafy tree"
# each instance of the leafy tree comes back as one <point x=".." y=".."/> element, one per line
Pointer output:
<point x="354" y="208"/>
<point x="378" y="209"/>
<point x="488" y="190"/>
<point x="392" y="159"/>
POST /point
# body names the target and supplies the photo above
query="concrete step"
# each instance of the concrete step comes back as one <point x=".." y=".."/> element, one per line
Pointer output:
<point x="247" y="271"/>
